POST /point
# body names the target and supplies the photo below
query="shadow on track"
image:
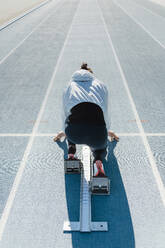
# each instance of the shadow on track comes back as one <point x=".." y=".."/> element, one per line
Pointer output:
<point x="113" y="208"/>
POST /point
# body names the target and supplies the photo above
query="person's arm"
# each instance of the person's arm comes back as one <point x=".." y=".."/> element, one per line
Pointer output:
<point x="63" y="113"/>
<point x="61" y="134"/>
<point x="111" y="134"/>
<point x="106" y="115"/>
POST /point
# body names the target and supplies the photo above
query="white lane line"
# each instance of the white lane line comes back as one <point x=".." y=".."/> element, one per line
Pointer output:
<point x="53" y="134"/>
<point x="18" y="177"/>
<point x="150" y="11"/>
<point x="143" y="135"/>
<point x="33" y="30"/>
<point x="159" y="2"/>
<point x="141" y="25"/>
<point x="6" y="24"/>
<point x="15" y="134"/>
<point x="155" y="134"/>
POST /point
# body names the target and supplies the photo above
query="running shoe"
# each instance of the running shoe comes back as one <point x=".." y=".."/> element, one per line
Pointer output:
<point x="98" y="169"/>
<point x="72" y="157"/>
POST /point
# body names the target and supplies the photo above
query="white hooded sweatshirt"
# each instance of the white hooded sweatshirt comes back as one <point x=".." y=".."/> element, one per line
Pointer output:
<point x="84" y="87"/>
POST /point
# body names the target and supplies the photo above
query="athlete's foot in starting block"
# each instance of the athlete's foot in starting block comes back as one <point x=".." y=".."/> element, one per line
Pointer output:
<point x="72" y="165"/>
<point x="100" y="183"/>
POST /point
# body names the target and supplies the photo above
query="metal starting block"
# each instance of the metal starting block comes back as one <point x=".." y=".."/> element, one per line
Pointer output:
<point x="100" y="185"/>
<point x="85" y="223"/>
<point x="72" y="166"/>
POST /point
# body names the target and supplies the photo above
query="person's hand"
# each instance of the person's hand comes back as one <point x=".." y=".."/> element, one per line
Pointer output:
<point x="113" y="136"/>
<point x="59" y="136"/>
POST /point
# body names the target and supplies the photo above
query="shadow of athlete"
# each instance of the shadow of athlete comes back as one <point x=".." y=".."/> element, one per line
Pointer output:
<point x="114" y="208"/>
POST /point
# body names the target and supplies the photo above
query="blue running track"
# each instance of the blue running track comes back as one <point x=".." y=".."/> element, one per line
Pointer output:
<point x="123" y="42"/>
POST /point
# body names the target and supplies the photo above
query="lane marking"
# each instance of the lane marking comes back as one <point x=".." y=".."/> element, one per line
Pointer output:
<point x="25" y="13"/>
<point x="159" y="2"/>
<point x="18" y="177"/>
<point x="141" y="25"/>
<point x="15" y="134"/>
<point x="53" y="134"/>
<point x="143" y="135"/>
<point x="150" y="11"/>
<point x="33" y="30"/>
<point x="155" y="134"/>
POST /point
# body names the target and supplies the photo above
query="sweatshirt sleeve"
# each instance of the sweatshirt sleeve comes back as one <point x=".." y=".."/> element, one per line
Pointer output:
<point x="63" y="114"/>
<point x="106" y="115"/>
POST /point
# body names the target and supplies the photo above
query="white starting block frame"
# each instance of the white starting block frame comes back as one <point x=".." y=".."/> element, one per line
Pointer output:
<point x="85" y="224"/>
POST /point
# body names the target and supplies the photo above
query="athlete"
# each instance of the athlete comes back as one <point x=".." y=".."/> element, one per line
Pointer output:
<point x="85" y="116"/>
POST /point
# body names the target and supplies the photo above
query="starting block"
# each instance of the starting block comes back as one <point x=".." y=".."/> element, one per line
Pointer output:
<point x="100" y="185"/>
<point x="72" y="166"/>
<point x="88" y="184"/>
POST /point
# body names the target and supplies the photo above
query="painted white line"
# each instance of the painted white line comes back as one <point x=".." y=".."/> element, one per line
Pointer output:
<point x="15" y="134"/>
<point x="155" y="134"/>
<point x="6" y="24"/>
<point x="141" y="25"/>
<point x="128" y="134"/>
<point x="143" y="135"/>
<point x="160" y="2"/>
<point x="53" y="134"/>
<point x="148" y="10"/>
<point x="140" y="134"/>
<point x="33" y="30"/>
<point x="18" y="177"/>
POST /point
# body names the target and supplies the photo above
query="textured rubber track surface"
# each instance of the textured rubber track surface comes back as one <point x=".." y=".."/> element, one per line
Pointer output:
<point x="124" y="43"/>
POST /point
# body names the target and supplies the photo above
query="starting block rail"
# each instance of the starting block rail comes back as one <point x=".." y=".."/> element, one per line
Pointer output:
<point x="85" y="224"/>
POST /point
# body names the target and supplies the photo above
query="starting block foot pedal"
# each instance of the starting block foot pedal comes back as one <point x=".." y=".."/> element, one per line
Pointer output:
<point x="92" y="226"/>
<point x="100" y="186"/>
<point x="72" y="166"/>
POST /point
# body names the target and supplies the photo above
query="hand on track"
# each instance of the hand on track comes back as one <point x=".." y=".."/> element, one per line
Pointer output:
<point x="59" y="136"/>
<point x="113" y="136"/>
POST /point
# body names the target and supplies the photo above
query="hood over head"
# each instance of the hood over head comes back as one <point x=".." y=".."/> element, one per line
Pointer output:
<point x="82" y="76"/>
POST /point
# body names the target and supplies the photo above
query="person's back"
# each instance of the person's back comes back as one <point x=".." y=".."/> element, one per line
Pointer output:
<point x="83" y="88"/>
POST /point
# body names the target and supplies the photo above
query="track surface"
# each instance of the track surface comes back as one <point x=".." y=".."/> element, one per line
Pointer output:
<point x="124" y="43"/>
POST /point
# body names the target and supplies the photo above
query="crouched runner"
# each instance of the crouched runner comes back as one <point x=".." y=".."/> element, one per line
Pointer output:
<point x="85" y="116"/>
